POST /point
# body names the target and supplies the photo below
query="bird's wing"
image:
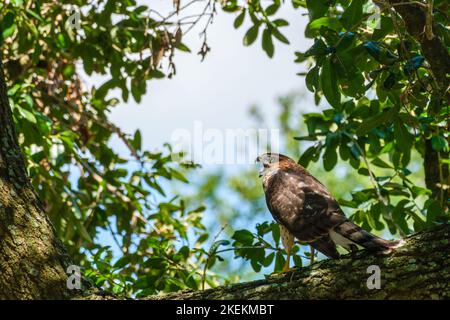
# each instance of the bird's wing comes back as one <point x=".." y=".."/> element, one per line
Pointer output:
<point x="303" y="205"/>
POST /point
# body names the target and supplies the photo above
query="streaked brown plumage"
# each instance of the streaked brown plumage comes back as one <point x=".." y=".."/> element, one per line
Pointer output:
<point x="304" y="207"/>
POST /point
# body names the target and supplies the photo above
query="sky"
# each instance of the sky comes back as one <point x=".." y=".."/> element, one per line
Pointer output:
<point x="216" y="92"/>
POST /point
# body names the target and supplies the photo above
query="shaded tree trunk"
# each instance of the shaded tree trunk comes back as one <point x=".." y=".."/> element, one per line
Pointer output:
<point x="33" y="261"/>
<point x="420" y="269"/>
<point x="415" y="19"/>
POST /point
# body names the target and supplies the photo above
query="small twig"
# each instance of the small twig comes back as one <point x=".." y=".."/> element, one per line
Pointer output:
<point x="209" y="255"/>
<point x="421" y="4"/>
<point x="372" y="178"/>
<point x="113" y="235"/>
<point x="429" y="20"/>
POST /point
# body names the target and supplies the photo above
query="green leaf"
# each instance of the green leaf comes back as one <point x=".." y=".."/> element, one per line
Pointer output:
<point x="156" y="74"/>
<point x="439" y="143"/>
<point x="402" y="136"/>
<point x="433" y="211"/>
<point x="384" y="117"/>
<point x="217" y="244"/>
<point x="61" y="41"/>
<point x="275" y="232"/>
<point x="137" y="140"/>
<point x="312" y="79"/>
<point x="268" y="260"/>
<point x="329" y="22"/>
<point x="317" y="8"/>
<point x="277" y="34"/>
<point x="319" y="48"/>
<point x="279" y="261"/>
<point x="352" y="15"/>
<point x="34" y="15"/>
<point x="243" y="236"/>
<point x="155" y="262"/>
<point x="309" y="155"/>
<point x="399" y="215"/>
<point x="69" y="71"/>
<point x="83" y="231"/>
<point x="298" y="3"/>
<point x="136" y="90"/>
<point x="272" y="9"/>
<point x="28" y="115"/>
<point x="419" y="191"/>
<point x="183" y="47"/>
<point x="122" y="262"/>
<point x="279" y="23"/>
<point x="239" y="19"/>
<point x="329" y="158"/>
<point x="381" y="163"/>
<point x="329" y="84"/>
<point x="267" y="43"/>
<point x="251" y="35"/>
<point x="177" y="175"/>
<point x="297" y="260"/>
<point x="7" y="25"/>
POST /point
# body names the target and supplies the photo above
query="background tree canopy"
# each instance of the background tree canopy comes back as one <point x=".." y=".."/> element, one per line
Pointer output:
<point x="380" y="67"/>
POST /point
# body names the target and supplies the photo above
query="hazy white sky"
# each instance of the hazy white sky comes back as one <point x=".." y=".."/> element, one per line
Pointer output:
<point x="218" y="91"/>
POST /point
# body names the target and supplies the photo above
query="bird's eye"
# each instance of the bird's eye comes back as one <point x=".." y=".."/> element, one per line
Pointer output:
<point x="266" y="165"/>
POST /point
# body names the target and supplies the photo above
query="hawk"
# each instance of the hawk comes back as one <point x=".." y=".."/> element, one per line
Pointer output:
<point x="307" y="211"/>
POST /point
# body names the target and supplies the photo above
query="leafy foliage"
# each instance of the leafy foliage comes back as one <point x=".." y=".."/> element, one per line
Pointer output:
<point x="87" y="188"/>
<point x="258" y="249"/>
<point x="385" y="105"/>
<point x="384" y="108"/>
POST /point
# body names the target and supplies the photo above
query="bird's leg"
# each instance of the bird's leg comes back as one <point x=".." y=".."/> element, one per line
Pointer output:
<point x="311" y="255"/>
<point x="286" y="267"/>
<point x="288" y="242"/>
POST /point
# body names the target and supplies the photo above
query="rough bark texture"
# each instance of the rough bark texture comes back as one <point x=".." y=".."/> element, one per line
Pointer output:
<point x="32" y="259"/>
<point x="420" y="269"/>
<point x="436" y="53"/>
<point x="433" y="49"/>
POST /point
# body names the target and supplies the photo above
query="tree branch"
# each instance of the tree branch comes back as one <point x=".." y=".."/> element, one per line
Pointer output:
<point x="32" y="259"/>
<point x="420" y="269"/>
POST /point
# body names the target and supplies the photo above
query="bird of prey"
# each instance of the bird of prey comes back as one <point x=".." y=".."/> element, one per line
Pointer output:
<point x="307" y="211"/>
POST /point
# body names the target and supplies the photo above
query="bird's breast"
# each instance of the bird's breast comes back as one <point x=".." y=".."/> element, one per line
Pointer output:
<point x="267" y="178"/>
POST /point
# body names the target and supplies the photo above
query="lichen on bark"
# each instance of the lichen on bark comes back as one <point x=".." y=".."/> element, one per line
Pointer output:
<point x="32" y="260"/>
<point x="420" y="269"/>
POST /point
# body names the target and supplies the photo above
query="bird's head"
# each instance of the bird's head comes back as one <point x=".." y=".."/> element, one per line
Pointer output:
<point x="268" y="162"/>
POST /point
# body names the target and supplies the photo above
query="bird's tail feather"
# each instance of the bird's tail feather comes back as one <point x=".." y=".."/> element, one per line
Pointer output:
<point x="326" y="246"/>
<point x="365" y="239"/>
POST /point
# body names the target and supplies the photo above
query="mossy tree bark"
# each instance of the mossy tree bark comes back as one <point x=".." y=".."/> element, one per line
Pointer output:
<point x="420" y="269"/>
<point x="32" y="260"/>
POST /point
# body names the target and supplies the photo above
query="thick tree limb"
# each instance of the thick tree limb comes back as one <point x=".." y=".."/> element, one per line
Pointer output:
<point x="33" y="261"/>
<point x="420" y="269"/>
